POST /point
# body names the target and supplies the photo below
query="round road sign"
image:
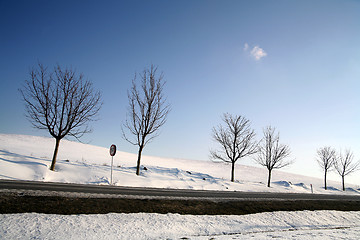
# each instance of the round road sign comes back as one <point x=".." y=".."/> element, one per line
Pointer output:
<point x="112" y="150"/>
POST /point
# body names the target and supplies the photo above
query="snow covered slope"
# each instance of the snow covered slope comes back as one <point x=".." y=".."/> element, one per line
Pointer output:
<point x="29" y="157"/>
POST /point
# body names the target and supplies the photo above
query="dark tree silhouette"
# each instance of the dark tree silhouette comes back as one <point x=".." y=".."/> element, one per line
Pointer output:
<point x="148" y="110"/>
<point x="61" y="102"/>
<point x="272" y="154"/>
<point x="326" y="159"/>
<point x="344" y="165"/>
<point x="236" y="140"/>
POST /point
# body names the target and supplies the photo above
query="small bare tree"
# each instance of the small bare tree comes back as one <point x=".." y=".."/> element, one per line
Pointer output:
<point x="148" y="110"/>
<point x="326" y="159"/>
<point x="344" y="165"/>
<point x="61" y="102"/>
<point x="272" y="154"/>
<point x="236" y="139"/>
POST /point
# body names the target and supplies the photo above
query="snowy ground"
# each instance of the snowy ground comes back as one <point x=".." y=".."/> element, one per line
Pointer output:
<point x="28" y="158"/>
<point x="283" y="225"/>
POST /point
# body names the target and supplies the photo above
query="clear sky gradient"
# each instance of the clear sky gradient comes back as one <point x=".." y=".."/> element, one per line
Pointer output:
<point x="292" y="64"/>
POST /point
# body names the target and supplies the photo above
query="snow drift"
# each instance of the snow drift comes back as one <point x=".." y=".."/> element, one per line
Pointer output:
<point x="29" y="157"/>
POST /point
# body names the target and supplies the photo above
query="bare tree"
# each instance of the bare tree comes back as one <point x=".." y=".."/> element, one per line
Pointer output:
<point x="148" y="110"/>
<point x="344" y="165"/>
<point x="326" y="159"/>
<point x="61" y="102"/>
<point x="272" y="154"/>
<point x="236" y="139"/>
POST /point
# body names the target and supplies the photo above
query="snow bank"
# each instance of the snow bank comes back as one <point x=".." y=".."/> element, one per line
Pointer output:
<point x="168" y="226"/>
<point x="29" y="157"/>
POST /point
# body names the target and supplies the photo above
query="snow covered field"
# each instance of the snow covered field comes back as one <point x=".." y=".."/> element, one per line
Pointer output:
<point x="283" y="225"/>
<point x="28" y="158"/>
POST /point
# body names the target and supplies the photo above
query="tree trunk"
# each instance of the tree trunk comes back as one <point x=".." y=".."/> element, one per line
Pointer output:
<point x="138" y="161"/>
<point x="343" y="182"/>
<point x="325" y="181"/>
<point x="269" y="178"/>
<point x="232" y="171"/>
<point x="57" y="143"/>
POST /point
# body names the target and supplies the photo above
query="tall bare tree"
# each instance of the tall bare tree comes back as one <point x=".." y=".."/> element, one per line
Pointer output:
<point x="61" y="102"/>
<point x="344" y="165"/>
<point x="326" y="159"/>
<point x="236" y="139"/>
<point x="272" y="154"/>
<point x="148" y="110"/>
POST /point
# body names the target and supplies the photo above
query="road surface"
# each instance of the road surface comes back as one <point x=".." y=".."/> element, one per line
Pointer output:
<point x="168" y="193"/>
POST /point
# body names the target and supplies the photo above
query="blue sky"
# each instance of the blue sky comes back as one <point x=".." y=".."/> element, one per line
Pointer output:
<point x="292" y="64"/>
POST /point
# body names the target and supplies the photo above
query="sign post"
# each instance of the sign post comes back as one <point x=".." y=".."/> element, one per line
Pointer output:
<point x="112" y="153"/>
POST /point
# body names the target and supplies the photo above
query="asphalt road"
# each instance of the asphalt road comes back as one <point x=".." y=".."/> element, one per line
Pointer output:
<point x="168" y="193"/>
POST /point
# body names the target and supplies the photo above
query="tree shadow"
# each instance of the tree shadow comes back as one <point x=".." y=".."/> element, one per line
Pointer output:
<point x="331" y="189"/>
<point x="5" y="155"/>
<point x="348" y="189"/>
<point x="8" y="177"/>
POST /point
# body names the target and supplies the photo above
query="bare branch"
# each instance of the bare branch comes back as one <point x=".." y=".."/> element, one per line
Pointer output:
<point x="147" y="112"/>
<point x="272" y="154"/>
<point x="344" y="165"/>
<point x="61" y="102"/>
<point x="326" y="159"/>
<point x="236" y="139"/>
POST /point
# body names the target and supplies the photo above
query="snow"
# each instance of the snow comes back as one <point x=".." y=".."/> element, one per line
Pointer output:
<point x="300" y="225"/>
<point x="29" y="157"/>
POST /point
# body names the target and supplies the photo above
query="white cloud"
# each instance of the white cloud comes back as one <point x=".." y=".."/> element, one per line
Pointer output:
<point x="258" y="53"/>
<point x="246" y="46"/>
